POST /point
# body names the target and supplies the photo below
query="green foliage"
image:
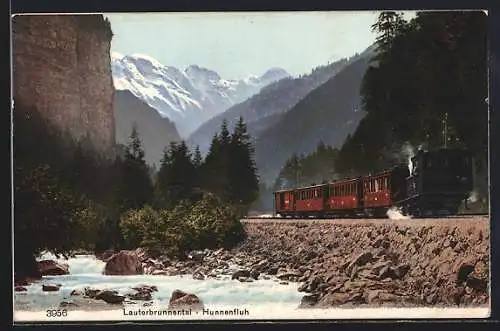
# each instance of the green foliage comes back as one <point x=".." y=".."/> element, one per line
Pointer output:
<point x="136" y="187"/>
<point x="229" y="170"/>
<point x="177" y="180"/>
<point x="427" y="87"/>
<point x="207" y="223"/>
<point x="317" y="167"/>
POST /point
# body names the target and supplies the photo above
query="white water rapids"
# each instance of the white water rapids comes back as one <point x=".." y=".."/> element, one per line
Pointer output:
<point x="263" y="299"/>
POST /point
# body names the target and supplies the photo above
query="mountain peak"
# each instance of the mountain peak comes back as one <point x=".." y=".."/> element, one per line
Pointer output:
<point x="275" y="74"/>
<point x="195" y="71"/>
<point x="187" y="97"/>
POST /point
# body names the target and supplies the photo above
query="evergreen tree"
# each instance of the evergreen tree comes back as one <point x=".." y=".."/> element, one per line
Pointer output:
<point x="197" y="159"/>
<point x="136" y="183"/>
<point x="176" y="177"/>
<point x="389" y="25"/>
<point x="244" y="183"/>
<point x="432" y="72"/>
<point x="216" y="168"/>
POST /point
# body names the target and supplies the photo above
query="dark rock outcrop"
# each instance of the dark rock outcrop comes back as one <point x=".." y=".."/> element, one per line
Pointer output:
<point x="62" y="67"/>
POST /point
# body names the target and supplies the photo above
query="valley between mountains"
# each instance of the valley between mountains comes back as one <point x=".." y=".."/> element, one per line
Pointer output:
<point x="168" y="104"/>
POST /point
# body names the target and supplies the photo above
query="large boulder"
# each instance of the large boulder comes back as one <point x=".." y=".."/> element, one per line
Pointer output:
<point x="124" y="263"/>
<point x="50" y="287"/>
<point x="104" y="256"/>
<point x="183" y="300"/>
<point x="52" y="268"/>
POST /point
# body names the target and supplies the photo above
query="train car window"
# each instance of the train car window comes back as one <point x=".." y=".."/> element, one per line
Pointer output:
<point x="376" y="184"/>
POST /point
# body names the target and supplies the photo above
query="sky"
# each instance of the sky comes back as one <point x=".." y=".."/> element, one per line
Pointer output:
<point x="237" y="45"/>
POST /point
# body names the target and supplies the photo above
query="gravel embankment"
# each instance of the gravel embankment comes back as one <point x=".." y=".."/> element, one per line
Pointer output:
<point x="415" y="262"/>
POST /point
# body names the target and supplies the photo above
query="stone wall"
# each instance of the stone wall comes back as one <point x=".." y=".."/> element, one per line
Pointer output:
<point x="61" y="66"/>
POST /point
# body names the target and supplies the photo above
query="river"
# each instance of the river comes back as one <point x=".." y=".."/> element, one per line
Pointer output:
<point x="262" y="299"/>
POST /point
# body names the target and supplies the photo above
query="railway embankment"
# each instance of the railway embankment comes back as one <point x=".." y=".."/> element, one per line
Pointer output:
<point x="341" y="263"/>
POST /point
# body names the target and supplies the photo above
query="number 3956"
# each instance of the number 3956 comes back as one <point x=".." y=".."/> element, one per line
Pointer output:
<point x="57" y="312"/>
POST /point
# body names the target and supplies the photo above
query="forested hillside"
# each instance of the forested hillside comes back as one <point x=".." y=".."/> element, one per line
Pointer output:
<point x="329" y="114"/>
<point x="426" y="88"/>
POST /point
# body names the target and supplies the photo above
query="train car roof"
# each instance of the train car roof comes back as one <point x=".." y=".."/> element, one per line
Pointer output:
<point x="301" y="188"/>
<point x="344" y="181"/>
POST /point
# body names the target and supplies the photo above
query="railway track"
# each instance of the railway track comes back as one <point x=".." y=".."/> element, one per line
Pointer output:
<point x="275" y="218"/>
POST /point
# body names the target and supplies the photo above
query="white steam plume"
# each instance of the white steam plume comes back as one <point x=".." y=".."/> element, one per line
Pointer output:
<point x="395" y="213"/>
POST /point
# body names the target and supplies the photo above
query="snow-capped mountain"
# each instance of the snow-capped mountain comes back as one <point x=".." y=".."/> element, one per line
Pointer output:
<point x="187" y="97"/>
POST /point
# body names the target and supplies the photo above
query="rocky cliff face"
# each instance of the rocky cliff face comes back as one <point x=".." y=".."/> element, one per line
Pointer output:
<point x="61" y="66"/>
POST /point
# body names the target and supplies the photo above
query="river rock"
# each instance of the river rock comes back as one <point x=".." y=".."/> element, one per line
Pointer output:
<point x="198" y="275"/>
<point x="52" y="268"/>
<point x="143" y="292"/>
<point x="124" y="263"/>
<point x="197" y="256"/>
<point x="142" y="254"/>
<point x="50" y="287"/>
<point x="111" y="297"/>
<point x="289" y="275"/>
<point x="20" y="288"/>
<point x="145" y="288"/>
<point x="104" y="256"/>
<point x="240" y="273"/>
<point x="183" y="300"/>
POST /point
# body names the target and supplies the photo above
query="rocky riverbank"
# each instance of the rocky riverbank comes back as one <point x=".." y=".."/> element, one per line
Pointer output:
<point x="389" y="263"/>
<point x="367" y="263"/>
<point x="406" y="263"/>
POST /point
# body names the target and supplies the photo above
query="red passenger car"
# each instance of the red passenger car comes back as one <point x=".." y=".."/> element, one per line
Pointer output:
<point x="311" y="200"/>
<point x="284" y="202"/>
<point x="343" y="195"/>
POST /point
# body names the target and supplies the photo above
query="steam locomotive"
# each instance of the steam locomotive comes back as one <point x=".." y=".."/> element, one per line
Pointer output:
<point x="435" y="183"/>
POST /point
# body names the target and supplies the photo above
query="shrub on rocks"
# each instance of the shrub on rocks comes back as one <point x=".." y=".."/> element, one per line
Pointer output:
<point x="207" y="223"/>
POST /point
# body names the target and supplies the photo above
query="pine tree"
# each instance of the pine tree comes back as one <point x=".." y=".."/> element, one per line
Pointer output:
<point x="136" y="183"/>
<point x="176" y="177"/>
<point x="389" y="24"/>
<point x="197" y="159"/>
<point x="244" y="183"/>
<point x="215" y="169"/>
